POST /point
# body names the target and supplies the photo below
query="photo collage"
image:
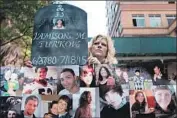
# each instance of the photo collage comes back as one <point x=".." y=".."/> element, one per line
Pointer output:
<point x="86" y="92"/>
<point x="102" y="88"/>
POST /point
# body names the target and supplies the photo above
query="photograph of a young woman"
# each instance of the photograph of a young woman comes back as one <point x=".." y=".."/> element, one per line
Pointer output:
<point x="140" y="108"/>
<point x="87" y="78"/>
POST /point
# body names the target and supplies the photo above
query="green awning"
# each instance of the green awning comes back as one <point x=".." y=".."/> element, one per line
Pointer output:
<point x="145" y="45"/>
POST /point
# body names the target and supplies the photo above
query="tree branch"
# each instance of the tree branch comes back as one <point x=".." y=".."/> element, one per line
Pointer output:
<point x="16" y="37"/>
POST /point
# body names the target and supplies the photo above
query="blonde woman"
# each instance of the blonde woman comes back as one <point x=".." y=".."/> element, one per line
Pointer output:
<point x="11" y="55"/>
<point x="101" y="50"/>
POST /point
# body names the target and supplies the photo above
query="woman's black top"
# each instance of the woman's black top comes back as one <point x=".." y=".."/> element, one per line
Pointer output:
<point x="110" y="112"/>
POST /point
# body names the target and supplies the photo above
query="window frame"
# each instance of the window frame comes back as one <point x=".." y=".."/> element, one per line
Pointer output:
<point x="138" y="17"/>
<point x="155" y="16"/>
<point x="170" y="17"/>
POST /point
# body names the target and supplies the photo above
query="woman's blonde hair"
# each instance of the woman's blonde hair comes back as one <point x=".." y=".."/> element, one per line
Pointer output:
<point x="110" y="58"/>
<point x="11" y="54"/>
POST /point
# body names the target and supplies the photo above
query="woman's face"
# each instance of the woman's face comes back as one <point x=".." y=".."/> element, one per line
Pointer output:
<point x="87" y="76"/>
<point x="125" y="75"/>
<point x="140" y="97"/>
<point x="89" y="98"/>
<point x="163" y="98"/>
<point x="99" y="48"/>
<point x="103" y="72"/>
<point x="11" y="114"/>
<point x="59" y="23"/>
<point x="62" y="106"/>
<point x="118" y="72"/>
<point x="156" y="70"/>
<point x="54" y="109"/>
<point x="114" y="99"/>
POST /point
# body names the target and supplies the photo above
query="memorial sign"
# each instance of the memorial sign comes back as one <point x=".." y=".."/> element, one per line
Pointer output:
<point x="60" y="36"/>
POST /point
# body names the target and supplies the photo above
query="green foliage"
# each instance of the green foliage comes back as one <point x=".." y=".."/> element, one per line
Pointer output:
<point x="17" y="19"/>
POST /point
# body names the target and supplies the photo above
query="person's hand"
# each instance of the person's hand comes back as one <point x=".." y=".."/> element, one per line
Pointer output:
<point x="28" y="63"/>
<point x="11" y="92"/>
<point x="93" y="60"/>
<point x="49" y="116"/>
<point x="155" y="76"/>
<point x="150" y="110"/>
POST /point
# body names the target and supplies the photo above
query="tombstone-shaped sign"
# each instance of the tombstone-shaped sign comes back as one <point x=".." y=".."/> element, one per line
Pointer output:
<point x="60" y="36"/>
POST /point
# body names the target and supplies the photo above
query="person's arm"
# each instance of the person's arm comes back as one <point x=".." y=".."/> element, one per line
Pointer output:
<point x="147" y="110"/>
<point x="28" y="63"/>
<point x="93" y="60"/>
<point x="27" y="89"/>
<point x="78" y="113"/>
<point x="155" y="76"/>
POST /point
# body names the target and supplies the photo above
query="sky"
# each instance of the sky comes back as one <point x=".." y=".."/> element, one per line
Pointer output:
<point x="96" y="16"/>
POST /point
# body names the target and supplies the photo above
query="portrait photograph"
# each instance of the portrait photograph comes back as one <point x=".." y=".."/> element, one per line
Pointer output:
<point x="41" y="80"/>
<point x="86" y="103"/>
<point x="11" y="81"/>
<point x="165" y="101"/>
<point x="138" y="77"/>
<point x="31" y="106"/>
<point x="68" y="80"/>
<point x="87" y="76"/>
<point x="58" y="23"/>
<point x="142" y="104"/>
<point x="10" y="106"/>
<point x="114" y="102"/>
<point x="105" y="75"/>
<point x="56" y="106"/>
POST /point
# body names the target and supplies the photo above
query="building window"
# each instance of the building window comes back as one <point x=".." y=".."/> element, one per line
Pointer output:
<point x="107" y="24"/>
<point x="138" y="20"/>
<point x="171" y="1"/>
<point x="116" y="8"/>
<point x="119" y="29"/>
<point x="106" y="12"/>
<point x="112" y="17"/>
<point x="112" y="8"/>
<point x="170" y="18"/>
<point x="155" y="20"/>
